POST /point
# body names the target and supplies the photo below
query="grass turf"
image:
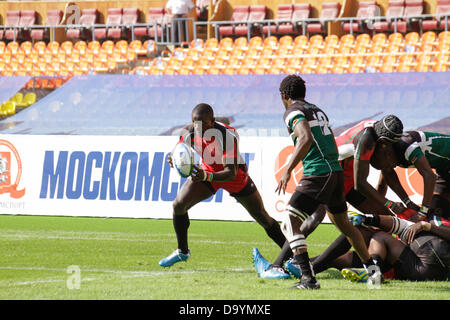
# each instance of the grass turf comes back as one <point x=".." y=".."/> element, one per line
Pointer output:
<point x="118" y="259"/>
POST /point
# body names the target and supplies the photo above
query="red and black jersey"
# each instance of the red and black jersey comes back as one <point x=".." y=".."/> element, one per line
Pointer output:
<point x="358" y="141"/>
<point x="218" y="146"/>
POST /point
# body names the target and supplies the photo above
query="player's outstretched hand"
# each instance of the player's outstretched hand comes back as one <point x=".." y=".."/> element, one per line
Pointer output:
<point x="198" y="174"/>
<point x="283" y="182"/>
<point x="414" y="229"/>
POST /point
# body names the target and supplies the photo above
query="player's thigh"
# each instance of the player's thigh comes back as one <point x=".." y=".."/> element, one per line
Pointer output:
<point x="190" y="194"/>
<point x="364" y="204"/>
<point x="255" y="207"/>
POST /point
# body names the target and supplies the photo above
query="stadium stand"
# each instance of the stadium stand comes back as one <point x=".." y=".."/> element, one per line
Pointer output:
<point x="88" y="18"/>
<point x="330" y="10"/>
<point x="155" y="18"/>
<point x="114" y="32"/>
<point x="54" y="18"/>
<point x="438" y="22"/>
<point x="239" y="19"/>
<point x="367" y="10"/>
<point x="283" y="21"/>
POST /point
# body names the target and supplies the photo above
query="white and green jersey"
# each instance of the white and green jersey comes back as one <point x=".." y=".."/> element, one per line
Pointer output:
<point x="323" y="155"/>
<point x="416" y="144"/>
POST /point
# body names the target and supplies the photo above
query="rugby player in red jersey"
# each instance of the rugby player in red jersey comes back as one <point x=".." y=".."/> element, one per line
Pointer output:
<point x="222" y="167"/>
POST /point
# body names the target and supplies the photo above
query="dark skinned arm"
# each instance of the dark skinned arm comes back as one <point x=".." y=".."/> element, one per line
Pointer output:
<point x="304" y="141"/>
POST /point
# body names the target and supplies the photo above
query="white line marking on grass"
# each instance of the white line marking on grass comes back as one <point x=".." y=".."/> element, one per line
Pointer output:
<point x="125" y="274"/>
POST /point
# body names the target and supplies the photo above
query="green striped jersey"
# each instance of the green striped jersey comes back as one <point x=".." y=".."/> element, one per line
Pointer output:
<point x="434" y="146"/>
<point x="323" y="155"/>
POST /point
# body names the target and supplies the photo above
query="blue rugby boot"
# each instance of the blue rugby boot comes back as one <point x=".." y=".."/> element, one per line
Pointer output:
<point x="176" y="256"/>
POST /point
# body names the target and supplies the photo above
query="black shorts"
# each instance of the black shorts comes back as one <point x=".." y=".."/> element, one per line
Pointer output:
<point x="411" y="267"/>
<point x="443" y="181"/>
<point x="355" y="198"/>
<point x="315" y="190"/>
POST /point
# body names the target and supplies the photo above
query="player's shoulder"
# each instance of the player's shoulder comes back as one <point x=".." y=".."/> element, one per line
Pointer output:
<point x="366" y="136"/>
<point x="297" y="109"/>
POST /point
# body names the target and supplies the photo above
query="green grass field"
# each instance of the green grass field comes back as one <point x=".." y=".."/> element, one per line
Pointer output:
<point x="118" y="259"/>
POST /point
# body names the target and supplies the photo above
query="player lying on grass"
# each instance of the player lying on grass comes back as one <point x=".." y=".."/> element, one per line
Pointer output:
<point x="322" y="182"/>
<point x="222" y="167"/>
<point x="349" y="141"/>
<point x="421" y="254"/>
<point x="424" y="151"/>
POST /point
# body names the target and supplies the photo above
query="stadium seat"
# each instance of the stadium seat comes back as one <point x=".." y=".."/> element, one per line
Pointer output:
<point x="330" y="10"/>
<point x="130" y="16"/>
<point x="114" y="18"/>
<point x="366" y="10"/>
<point x="88" y="18"/>
<point x="12" y="21"/>
<point x="300" y="13"/>
<point x="54" y="18"/>
<point x="154" y="18"/>
<point x="239" y="18"/>
<point x="396" y="8"/>
<point x="256" y="14"/>
<point x="438" y="22"/>
<point x="283" y="24"/>
<point x="413" y="8"/>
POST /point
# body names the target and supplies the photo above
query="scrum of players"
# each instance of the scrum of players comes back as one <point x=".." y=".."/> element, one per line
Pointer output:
<point x="336" y="173"/>
<point x="421" y="250"/>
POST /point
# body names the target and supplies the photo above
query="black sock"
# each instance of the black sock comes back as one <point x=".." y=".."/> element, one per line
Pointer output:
<point x="336" y="249"/>
<point x="181" y="224"/>
<point x="284" y="255"/>
<point x="275" y="233"/>
<point x="305" y="265"/>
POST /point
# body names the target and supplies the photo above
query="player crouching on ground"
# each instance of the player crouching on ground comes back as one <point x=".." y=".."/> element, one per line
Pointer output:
<point x="222" y="167"/>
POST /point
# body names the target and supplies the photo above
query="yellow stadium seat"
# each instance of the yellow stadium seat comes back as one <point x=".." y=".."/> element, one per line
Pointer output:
<point x="17" y="98"/>
<point x="9" y="107"/>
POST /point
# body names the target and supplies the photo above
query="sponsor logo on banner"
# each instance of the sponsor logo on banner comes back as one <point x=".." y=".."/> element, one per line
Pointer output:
<point x="10" y="170"/>
<point x="100" y="175"/>
<point x="411" y="180"/>
<point x="280" y="164"/>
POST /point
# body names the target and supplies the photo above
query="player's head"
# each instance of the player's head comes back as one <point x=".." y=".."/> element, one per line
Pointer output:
<point x="383" y="157"/>
<point x="203" y="118"/>
<point x="389" y="129"/>
<point x="292" y="88"/>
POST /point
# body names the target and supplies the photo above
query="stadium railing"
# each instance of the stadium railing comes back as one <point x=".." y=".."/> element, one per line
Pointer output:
<point x="168" y="37"/>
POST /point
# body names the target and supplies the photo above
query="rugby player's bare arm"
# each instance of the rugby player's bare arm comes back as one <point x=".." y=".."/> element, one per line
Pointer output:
<point x="361" y="173"/>
<point x="227" y="174"/>
<point x="429" y="179"/>
<point x="393" y="182"/>
<point x="304" y="141"/>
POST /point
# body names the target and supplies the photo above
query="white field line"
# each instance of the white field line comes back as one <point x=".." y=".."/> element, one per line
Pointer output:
<point x="124" y="274"/>
<point x="119" y="236"/>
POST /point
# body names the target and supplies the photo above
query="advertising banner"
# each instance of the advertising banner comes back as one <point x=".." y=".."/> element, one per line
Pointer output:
<point x="129" y="176"/>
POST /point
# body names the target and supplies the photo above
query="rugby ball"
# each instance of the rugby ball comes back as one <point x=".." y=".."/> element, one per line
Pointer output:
<point x="183" y="159"/>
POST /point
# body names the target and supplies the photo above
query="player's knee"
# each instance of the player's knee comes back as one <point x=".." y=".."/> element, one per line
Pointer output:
<point x="179" y="207"/>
